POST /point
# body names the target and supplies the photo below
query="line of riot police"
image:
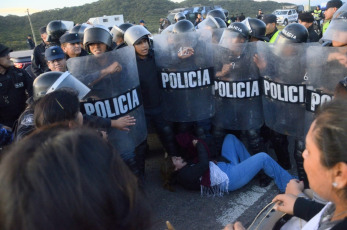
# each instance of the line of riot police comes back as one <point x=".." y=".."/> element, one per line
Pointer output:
<point x="212" y="81"/>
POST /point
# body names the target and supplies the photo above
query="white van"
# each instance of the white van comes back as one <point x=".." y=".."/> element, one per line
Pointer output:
<point x="286" y="16"/>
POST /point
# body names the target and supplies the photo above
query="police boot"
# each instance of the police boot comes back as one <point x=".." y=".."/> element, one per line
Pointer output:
<point x="280" y="146"/>
<point x="256" y="145"/>
<point x="299" y="149"/>
<point x="167" y="138"/>
<point x="218" y="135"/>
<point x="140" y="157"/>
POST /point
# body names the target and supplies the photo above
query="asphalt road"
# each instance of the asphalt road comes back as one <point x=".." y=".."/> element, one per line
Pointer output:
<point x="188" y="210"/>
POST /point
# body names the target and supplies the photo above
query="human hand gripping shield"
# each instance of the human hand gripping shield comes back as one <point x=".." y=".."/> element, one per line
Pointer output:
<point x="115" y="93"/>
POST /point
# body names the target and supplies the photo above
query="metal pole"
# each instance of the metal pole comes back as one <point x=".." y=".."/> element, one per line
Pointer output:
<point x="31" y="26"/>
<point x="309" y="5"/>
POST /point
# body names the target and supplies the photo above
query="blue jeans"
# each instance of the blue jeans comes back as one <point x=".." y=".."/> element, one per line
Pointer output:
<point x="244" y="167"/>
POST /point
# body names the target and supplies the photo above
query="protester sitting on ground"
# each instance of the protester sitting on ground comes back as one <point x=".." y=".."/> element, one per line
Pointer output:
<point x="326" y="168"/>
<point x="236" y="170"/>
<point x="68" y="179"/>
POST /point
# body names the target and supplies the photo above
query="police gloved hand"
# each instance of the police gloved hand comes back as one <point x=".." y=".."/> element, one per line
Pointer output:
<point x="123" y="123"/>
<point x="259" y="61"/>
<point x="185" y="52"/>
<point x="225" y="70"/>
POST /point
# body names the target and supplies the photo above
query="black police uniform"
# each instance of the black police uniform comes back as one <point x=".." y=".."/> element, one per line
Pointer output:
<point x="15" y="84"/>
<point x="38" y="61"/>
<point x="312" y="35"/>
<point x="150" y="88"/>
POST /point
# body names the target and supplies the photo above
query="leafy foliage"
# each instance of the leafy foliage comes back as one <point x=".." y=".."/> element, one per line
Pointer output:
<point x="14" y="29"/>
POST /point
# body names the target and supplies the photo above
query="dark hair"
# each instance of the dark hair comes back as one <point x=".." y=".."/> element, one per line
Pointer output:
<point x="167" y="171"/>
<point x="68" y="179"/>
<point x="330" y="132"/>
<point x="306" y="17"/>
<point x="58" y="106"/>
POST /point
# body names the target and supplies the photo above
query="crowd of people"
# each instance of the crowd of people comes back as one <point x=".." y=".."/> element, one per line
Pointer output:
<point x="74" y="130"/>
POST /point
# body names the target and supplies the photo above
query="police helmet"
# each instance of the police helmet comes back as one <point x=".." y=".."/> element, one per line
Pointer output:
<point x="257" y="28"/>
<point x="118" y="31"/>
<point x="293" y="33"/>
<point x="51" y="81"/>
<point x="134" y="34"/>
<point x="221" y="23"/>
<point x="80" y="29"/>
<point x="168" y="30"/>
<point x="55" y="29"/>
<point x="209" y="23"/>
<point x="226" y="12"/>
<point x="179" y="16"/>
<point x="240" y="28"/>
<point x="217" y="14"/>
<point x="97" y="34"/>
<point x="183" y="26"/>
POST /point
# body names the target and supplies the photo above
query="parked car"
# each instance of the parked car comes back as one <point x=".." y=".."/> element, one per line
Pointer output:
<point x="286" y="16"/>
<point x="22" y="60"/>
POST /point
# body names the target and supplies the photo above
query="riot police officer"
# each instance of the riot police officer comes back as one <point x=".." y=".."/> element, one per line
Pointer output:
<point x="55" y="29"/>
<point x="271" y="28"/>
<point x="80" y="30"/>
<point x="56" y="60"/>
<point x="331" y="7"/>
<point x="15" y="86"/>
<point x="118" y="34"/>
<point x="336" y="33"/>
<point x="217" y="13"/>
<point x="38" y="62"/>
<point x="286" y="116"/>
<point x="257" y="29"/>
<point x="71" y="44"/>
<point x="138" y="36"/>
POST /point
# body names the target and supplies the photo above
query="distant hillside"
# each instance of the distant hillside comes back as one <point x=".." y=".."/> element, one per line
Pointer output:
<point x="14" y="29"/>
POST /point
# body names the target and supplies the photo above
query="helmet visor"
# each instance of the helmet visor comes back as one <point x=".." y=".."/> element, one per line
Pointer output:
<point x="67" y="80"/>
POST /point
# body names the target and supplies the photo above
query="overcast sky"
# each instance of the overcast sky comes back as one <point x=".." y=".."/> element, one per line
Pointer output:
<point x="19" y="7"/>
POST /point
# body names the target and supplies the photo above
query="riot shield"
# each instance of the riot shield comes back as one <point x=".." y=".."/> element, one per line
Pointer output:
<point x="237" y="89"/>
<point x="283" y="69"/>
<point x="323" y="74"/>
<point x="185" y="63"/>
<point x="114" y="94"/>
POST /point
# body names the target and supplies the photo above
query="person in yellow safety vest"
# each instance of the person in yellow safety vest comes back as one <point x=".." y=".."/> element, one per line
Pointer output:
<point x="331" y="8"/>
<point x="271" y="28"/>
<point x="317" y="14"/>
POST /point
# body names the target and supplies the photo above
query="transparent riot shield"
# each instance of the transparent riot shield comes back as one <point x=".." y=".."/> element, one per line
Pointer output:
<point x="283" y="71"/>
<point x="323" y="75"/>
<point x="237" y="88"/>
<point x="185" y="63"/>
<point x="115" y="92"/>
